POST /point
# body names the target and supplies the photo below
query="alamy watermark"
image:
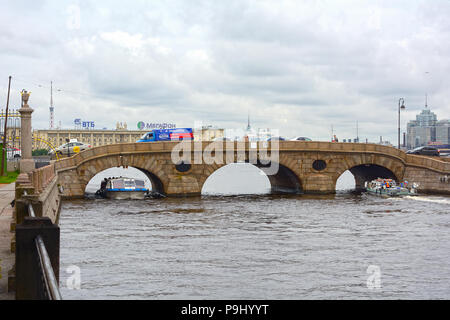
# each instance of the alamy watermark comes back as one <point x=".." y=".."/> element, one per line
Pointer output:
<point x="74" y="17"/>
<point x="261" y="153"/>
<point x="374" y="278"/>
<point x="73" y="282"/>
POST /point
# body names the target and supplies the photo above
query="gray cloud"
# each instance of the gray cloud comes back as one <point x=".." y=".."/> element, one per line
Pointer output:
<point x="296" y="66"/>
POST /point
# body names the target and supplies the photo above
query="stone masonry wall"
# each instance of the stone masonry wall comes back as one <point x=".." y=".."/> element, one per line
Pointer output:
<point x="429" y="181"/>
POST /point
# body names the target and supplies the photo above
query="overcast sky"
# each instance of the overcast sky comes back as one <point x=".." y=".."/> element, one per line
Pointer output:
<point x="297" y="66"/>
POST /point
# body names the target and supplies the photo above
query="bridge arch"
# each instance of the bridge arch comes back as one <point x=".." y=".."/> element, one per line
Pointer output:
<point x="368" y="167"/>
<point x="94" y="183"/>
<point x="76" y="179"/>
<point x="155" y="181"/>
<point x="284" y="181"/>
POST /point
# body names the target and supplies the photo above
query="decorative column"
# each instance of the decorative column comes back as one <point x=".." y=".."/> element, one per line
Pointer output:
<point x="27" y="162"/>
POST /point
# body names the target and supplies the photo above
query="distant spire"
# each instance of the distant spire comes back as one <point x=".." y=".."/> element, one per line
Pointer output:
<point x="248" y="121"/>
<point x="426" y="100"/>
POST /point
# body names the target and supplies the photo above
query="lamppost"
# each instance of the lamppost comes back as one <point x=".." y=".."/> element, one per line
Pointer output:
<point x="401" y="105"/>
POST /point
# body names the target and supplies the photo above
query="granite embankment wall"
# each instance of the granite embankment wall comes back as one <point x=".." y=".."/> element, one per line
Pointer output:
<point x="43" y="193"/>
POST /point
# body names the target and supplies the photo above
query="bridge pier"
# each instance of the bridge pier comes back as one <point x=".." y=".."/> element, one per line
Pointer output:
<point x="318" y="183"/>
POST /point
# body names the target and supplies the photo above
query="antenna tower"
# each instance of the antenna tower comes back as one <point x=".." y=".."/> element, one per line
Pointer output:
<point x="52" y="109"/>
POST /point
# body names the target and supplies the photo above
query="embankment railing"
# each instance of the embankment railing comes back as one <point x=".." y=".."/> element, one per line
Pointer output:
<point x="37" y="257"/>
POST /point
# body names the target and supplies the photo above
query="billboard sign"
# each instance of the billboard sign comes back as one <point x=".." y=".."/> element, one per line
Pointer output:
<point x="88" y="124"/>
<point x="149" y="126"/>
<point x="84" y="124"/>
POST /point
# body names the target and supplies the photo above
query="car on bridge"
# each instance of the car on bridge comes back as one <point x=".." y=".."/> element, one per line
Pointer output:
<point x="301" y="139"/>
<point x="68" y="148"/>
<point x="425" y="151"/>
<point x="276" y="138"/>
<point x="221" y="139"/>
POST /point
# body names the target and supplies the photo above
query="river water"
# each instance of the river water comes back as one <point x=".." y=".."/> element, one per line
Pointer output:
<point x="255" y="245"/>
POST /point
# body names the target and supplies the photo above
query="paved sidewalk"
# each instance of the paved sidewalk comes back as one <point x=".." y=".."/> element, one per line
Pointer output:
<point x="6" y="257"/>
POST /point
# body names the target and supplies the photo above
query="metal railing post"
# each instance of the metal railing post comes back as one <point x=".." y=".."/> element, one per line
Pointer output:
<point x="37" y="258"/>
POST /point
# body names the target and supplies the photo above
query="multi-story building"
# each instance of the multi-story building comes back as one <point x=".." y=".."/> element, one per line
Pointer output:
<point x="443" y="132"/>
<point x="97" y="138"/>
<point x="208" y="133"/>
<point x="427" y="129"/>
<point x="93" y="137"/>
<point x="12" y="127"/>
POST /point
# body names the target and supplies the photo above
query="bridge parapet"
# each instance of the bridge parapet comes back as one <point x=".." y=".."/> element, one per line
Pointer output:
<point x="43" y="192"/>
<point x="41" y="177"/>
<point x="433" y="163"/>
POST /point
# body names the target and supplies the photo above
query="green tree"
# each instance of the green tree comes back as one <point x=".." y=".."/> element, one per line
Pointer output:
<point x="39" y="152"/>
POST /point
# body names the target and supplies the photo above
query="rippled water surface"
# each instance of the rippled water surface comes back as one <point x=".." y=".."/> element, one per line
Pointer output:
<point x="257" y="246"/>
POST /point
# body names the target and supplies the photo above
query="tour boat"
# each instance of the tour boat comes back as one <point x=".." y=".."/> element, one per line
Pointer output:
<point x="389" y="188"/>
<point x="123" y="188"/>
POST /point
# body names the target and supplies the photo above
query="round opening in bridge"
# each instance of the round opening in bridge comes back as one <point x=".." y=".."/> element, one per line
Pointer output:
<point x="182" y="166"/>
<point x="319" y="165"/>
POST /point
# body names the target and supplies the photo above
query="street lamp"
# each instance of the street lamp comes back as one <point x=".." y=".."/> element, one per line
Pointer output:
<point x="401" y="105"/>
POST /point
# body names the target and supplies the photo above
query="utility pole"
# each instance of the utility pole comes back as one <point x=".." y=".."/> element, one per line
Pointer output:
<point x="4" y="132"/>
<point x="401" y="105"/>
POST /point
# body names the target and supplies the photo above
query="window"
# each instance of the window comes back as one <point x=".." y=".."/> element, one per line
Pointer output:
<point x="140" y="183"/>
<point x="129" y="183"/>
<point x="118" y="184"/>
<point x="147" y="136"/>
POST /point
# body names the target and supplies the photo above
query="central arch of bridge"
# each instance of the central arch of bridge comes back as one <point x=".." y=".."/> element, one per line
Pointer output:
<point x="284" y="181"/>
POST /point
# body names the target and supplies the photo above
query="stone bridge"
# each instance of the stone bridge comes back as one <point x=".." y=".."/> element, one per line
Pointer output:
<point x="303" y="166"/>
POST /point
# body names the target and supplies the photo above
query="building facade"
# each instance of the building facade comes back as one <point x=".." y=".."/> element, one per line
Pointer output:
<point x="98" y="138"/>
<point x="93" y="137"/>
<point x="12" y="128"/>
<point x="443" y="132"/>
<point x="426" y="129"/>
<point x="208" y="133"/>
